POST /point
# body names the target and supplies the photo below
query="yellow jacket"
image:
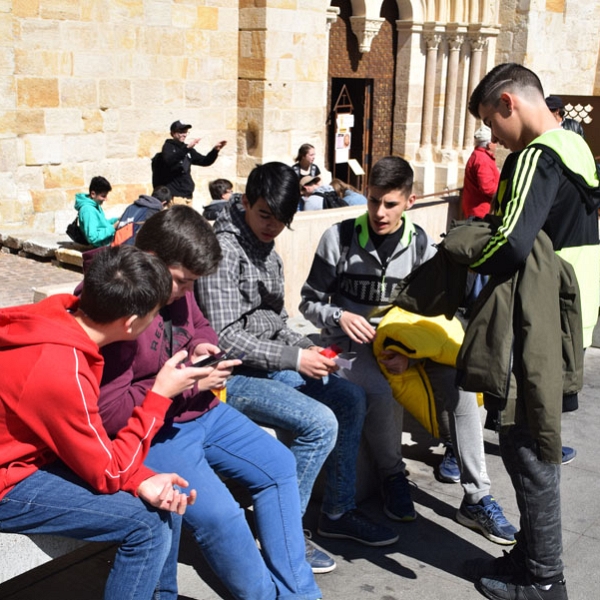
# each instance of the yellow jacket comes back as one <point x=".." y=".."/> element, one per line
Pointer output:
<point x="418" y="337"/>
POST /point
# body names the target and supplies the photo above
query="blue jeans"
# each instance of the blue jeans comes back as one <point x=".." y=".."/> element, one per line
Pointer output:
<point x="55" y="501"/>
<point x="537" y="488"/>
<point x="225" y="442"/>
<point x="272" y="399"/>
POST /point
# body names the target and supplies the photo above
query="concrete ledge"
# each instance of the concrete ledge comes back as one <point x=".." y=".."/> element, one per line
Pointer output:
<point x="39" y="293"/>
<point x="21" y="553"/>
<point x="71" y="255"/>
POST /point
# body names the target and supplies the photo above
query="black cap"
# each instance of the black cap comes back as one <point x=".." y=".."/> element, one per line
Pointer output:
<point x="179" y="126"/>
<point x="555" y="103"/>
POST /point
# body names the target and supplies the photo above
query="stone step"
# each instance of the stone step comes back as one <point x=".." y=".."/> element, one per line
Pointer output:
<point x="43" y="246"/>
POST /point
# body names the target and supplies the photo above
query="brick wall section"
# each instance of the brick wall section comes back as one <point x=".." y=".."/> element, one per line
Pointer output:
<point x="345" y="61"/>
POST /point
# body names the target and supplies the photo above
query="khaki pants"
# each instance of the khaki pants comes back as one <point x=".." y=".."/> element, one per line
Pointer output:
<point x="180" y="200"/>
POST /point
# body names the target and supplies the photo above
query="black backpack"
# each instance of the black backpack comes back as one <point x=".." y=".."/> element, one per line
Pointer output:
<point x="161" y="173"/>
<point x="75" y="233"/>
<point x="331" y="199"/>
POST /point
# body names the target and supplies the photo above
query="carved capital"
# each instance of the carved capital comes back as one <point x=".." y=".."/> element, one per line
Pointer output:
<point x="455" y="42"/>
<point x="332" y="15"/>
<point x="432" y="39"/>
<point x="478" y="42"/>
<point x="365" y="30"/>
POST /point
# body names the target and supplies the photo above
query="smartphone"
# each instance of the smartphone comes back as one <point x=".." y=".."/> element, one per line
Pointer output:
<point x="214" y="359"/>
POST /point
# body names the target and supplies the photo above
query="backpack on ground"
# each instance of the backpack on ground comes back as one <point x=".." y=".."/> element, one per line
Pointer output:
<point x="331" y="199"/>
<point x="75" y="233"/>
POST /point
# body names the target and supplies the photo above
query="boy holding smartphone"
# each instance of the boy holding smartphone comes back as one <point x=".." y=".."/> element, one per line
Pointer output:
<point x="60" y="472"/>
<point x="207" y="438"/>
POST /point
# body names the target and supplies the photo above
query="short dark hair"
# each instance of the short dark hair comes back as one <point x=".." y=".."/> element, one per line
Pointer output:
<point x="392" y="173"/>
<point x="123" y="281"/>
<point x="507" y="76"/>
<point x="303" y="151"/>
<point x="278" y="185"/>
<point x="218" y="187"/>
<point x="100" y="185"/>
<point x="162" y="193"/>
<point x="181" y="236"/>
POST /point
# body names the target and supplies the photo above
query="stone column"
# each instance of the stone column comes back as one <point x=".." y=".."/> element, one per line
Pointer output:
<point x="432" y="41"/>
<point x="454" y="44"/>
<point x="478" y="43"/>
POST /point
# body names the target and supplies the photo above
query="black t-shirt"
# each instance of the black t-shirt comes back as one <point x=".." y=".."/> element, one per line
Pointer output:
<point x="386" y="244"/>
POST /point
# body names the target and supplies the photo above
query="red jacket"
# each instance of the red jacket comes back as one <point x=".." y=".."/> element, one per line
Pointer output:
<point x="481" y="182"/>
<point x="50" y="373"/>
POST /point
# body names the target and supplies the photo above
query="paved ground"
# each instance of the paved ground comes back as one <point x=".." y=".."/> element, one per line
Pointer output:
<point x="425" y="563"/>
<point x="20" y="275"/>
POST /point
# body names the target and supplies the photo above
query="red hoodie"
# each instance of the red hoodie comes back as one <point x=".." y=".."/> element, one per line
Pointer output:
<point x="50" y="371"/>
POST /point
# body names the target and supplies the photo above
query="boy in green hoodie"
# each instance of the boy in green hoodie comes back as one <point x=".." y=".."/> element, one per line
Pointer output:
<point x="97" y="229"/>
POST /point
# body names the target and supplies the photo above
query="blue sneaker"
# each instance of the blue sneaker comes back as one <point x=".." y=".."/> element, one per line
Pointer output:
<point x="568" y="454"/>
<point x="355" y="525"/>
<point x="448" y="470"/>
<point x="397" y="503"/>
<point x="487" y="517"/>
<point x="317" y="559"/>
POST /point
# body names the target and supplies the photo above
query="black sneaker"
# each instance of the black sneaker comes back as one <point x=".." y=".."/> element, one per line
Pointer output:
<point x="397" y="503"/>
<point x="355" y="525"/>
<point x="317" y="559"/>
<point x="510" y="564"/>
<point x="487" y="517"/>
<point x="496" y="589"/>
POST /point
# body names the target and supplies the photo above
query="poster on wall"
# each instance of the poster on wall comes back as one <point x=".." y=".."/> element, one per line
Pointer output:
<point x="343" y="137"/>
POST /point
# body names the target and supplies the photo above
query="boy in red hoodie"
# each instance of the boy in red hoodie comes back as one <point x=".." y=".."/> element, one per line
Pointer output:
<point x="60" y="473"/>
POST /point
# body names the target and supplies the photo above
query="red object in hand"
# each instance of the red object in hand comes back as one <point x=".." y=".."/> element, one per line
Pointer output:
<point x="331" y="351"/>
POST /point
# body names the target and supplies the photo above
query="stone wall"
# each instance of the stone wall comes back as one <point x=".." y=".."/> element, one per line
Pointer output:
<point x="90" y="88"/>
<point x="555" y="38"/>
<point x="282" y="80"/>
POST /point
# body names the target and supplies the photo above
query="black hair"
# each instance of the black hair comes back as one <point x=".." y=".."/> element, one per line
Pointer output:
<point x="100" y="185"/>
<point x="392" y="173"/>
<point x="218" y="187"/>
<point x="123" y="281"/>
<point x="277" y="185"/>
<point x="303" y="151"/>
<point x="162" y="193"/>
<point x="507" y="76"/>
<point x="181" y="236"/>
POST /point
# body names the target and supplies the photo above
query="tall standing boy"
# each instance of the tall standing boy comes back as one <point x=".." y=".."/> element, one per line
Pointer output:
<point x="548" y="184"/>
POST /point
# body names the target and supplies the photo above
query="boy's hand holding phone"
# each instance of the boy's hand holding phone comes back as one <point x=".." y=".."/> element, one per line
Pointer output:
<point x="221" y="365"/>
